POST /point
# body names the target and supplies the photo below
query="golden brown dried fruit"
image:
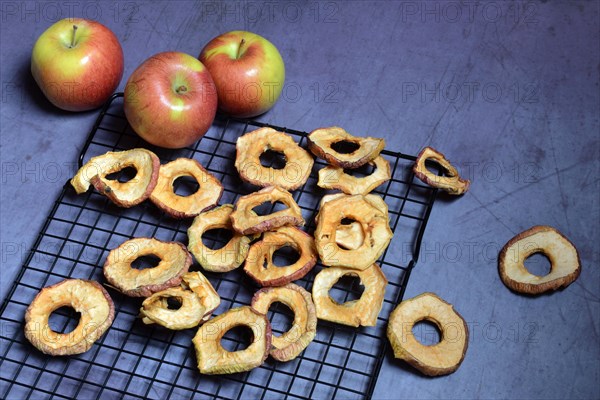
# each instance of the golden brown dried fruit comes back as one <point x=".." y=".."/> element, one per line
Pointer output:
<point x="375" y="227"/>
<point x="451" y="182"/>
<point x="363" y="311"/>
<point x="226" y="258"/>
<point x="331" y="177"/>
<point x="439" y="359"/>
<point x="565" y="265"/>
<point x="320" y="142"/>
<point x="249" y="149"/>
<point x="175" y="261"/>
<point x="199" y="284"/>
<point x="214" y="359"/>
<point x="246" y="221"/>
<point x="124" y="194"/>
<point x="155" y="309"/>
<point x="304" y="328"/>
<point x="88" y="298"/>
<point x="165" y="198"/>
<point x="259" y="263"/>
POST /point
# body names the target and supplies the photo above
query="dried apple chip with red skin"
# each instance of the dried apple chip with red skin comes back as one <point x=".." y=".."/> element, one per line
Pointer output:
<point x="361" y="312"/>
<point x="304" y="327"/>
<point x="155" y="309"/>
<point x="259" y="263"/>
<point x="88" y="298"/>
<point x="252" y="145"/>
<point x="165" y="198"/>
<point x="451" y="182"/>
<point x="123" y="194"/>
<point x="322" y="140"/>
<point x="226" y="258"/>
<point x="565" y="265"/>
<point x="246" y="221"/>
<point x="199" y="284"/>
<point x="175" y="261"/>
<point x="214" y="359"/>
<point x="439" y="359"/>
<point x="336" y="178"/>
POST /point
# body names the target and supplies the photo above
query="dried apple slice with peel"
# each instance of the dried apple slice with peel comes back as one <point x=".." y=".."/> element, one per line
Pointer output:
<point x="322" y="143"/>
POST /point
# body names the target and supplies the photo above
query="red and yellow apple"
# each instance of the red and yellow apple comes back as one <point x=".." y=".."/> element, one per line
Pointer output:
<point x="248" y="72"/>
<point x="170" y="100"/>
<point x="77" y="63"/>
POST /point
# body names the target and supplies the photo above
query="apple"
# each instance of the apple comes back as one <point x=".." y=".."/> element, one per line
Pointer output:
<point x="170" y="100"/>
<point x="77" y="63"/>
<point x="248" y="72"/>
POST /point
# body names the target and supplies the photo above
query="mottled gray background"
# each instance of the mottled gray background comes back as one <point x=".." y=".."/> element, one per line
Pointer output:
<point x="507" y="90"/>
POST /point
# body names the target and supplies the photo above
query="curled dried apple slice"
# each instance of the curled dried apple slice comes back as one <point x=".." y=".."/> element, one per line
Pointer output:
<point x="259" y="263"/>
<point x="156" y="309"/>
<point x="226" y="258"/>
<point x="375" y="227"/>
<point x="322" y="143"/>
<point x="253" y="144"/>
<point x="336" y="178"/>
<point x="363" y="311"/>
<point x="123" y="194"/>
<point x="451" y="182"/>
<point x="246" y="221"/>
<point x="175" y="261"/>
<point x="214" y="359"/>
<point x="199" y="284"/>
<point x="565" y="265"/>
<point x="88" y="298"/>
<point x="206" y="197"/>
<point x="439" y="359"/>
<point x="304" y="328"/>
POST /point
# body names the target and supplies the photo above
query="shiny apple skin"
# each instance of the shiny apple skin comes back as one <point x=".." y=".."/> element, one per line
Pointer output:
<point x="81" y="77"/>
<point x="249" y="79"/>
<point x="170" y="100"/>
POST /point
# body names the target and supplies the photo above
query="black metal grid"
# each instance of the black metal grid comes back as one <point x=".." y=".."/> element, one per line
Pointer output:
<point x="133" y="360"/>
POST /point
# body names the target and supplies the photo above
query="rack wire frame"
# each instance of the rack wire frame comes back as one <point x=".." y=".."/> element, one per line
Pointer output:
<point x="133" y="360"/>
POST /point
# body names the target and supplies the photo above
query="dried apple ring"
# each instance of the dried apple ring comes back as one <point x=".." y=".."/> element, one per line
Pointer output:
<point x="165" y="198"/>
<point x="228" y="257"/>
<point x="565" y="265"/>
<point x="88" y="298"/>
<point x="175" y="261"/>
<point x="439" y="359"/>
<point x="259" y="263"/>
<point x="123" y="194"/>
<point x="331" y="177"/>
<point x="246" y="221"/>
<point x="321" y="143"/>
<point x="214" y="359"/>
<point x="249" y="149"/>
<point x="304" y="328"/>
<point x="375" y="227"/>
<point x="155" y="309"/>
<point x="361" y="312"/>
<point x="451" y="182"/>
<point x="199" y="284"/>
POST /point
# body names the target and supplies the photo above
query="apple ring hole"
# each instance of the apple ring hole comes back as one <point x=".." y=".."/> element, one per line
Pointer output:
<point x="124" y="175"/>
<point x="237" y="338"/>
<point x="281" y="317"/>
<point x="273" y="159"/>
<point x="347" y="288"/>
<point x="267" y="208"/>
<point x="217" y="238"/>
<point x="435" y="168"/>
<point x="174" y="303"/>
<point x="345" y="147"/>
<point x="361" y="172"/>
<point x="285" y="256"/>
<point x="538" y="264"/>
<point x="427" y="332"/>
<point x="64" y="319"/>
<point x="147" y="261"/>
<point x="185" y="186"/>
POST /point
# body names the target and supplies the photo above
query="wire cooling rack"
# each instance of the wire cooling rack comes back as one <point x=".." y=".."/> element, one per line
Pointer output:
<point x="133" y="360"/>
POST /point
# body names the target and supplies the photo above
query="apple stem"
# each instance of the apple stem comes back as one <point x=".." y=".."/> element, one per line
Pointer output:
<point x="181" y="89"/>
<point x="240" y="49"/>
<point x="73" y="38"/>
